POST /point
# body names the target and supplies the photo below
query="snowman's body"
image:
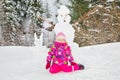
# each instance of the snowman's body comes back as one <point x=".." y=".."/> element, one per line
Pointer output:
<point x="67" y="30"/>
<point x="64" y="25"/>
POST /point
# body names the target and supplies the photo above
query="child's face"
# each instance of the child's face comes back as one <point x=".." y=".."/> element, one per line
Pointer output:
<point x="60" y="39"/>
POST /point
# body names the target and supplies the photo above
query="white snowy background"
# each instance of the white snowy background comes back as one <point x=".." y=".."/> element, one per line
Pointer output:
<point x="102" y="62"/>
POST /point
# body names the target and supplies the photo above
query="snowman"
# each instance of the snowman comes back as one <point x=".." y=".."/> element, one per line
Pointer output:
<point x="63" y="25"/>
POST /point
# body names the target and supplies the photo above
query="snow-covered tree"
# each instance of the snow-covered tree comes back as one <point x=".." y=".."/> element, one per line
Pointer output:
<point x="47" y="10"/>
<point x="35" y="9"/>
<point x="11" y="15"/>
<point x="17" y="12"/>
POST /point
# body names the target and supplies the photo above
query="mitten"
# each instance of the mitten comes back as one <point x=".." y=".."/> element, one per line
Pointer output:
<point x="73" y="63"/>
<point x="47" y="65"/>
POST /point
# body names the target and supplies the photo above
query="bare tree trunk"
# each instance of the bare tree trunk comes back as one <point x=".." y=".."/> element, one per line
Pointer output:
<point x="29" y="31"/>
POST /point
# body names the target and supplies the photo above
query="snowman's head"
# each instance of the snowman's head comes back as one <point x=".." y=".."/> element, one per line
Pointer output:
<point x="63" y="10"/>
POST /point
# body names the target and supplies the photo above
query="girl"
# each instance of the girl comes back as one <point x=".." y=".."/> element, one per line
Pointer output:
<point x="59" y="57"/>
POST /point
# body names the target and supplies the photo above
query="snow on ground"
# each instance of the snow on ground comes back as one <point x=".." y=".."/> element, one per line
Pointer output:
<point x="102" y="62"/>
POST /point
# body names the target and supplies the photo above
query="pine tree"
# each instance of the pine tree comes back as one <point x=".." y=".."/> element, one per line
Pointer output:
<point x="47" y="14"/>
<point x="35" y="9"/>
<point x="17" y="10"/>
<point x="11" y="15"/>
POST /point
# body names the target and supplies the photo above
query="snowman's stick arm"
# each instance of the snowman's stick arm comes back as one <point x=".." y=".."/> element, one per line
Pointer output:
<point x="44" y="19"/>
<point x="50" y="22"/>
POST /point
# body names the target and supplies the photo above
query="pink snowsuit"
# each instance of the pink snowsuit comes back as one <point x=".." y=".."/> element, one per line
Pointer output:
<point x="60" y="55"/>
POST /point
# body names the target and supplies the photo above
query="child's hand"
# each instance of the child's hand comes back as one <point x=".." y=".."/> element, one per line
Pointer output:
<point x="47" y="65"/>
<point x="73" y="63"/>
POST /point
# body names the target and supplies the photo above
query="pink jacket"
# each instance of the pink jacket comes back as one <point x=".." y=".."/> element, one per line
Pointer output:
<point x="60" y="53"/>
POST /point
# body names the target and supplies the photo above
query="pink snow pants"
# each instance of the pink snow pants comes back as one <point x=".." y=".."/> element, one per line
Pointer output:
<point x="65" y="68"/>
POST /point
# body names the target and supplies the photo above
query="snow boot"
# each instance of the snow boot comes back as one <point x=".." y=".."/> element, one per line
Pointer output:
<point x="81" y="67"/>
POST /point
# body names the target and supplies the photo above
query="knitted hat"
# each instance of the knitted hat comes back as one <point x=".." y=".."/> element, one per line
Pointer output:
<point x="61" y="35"/>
